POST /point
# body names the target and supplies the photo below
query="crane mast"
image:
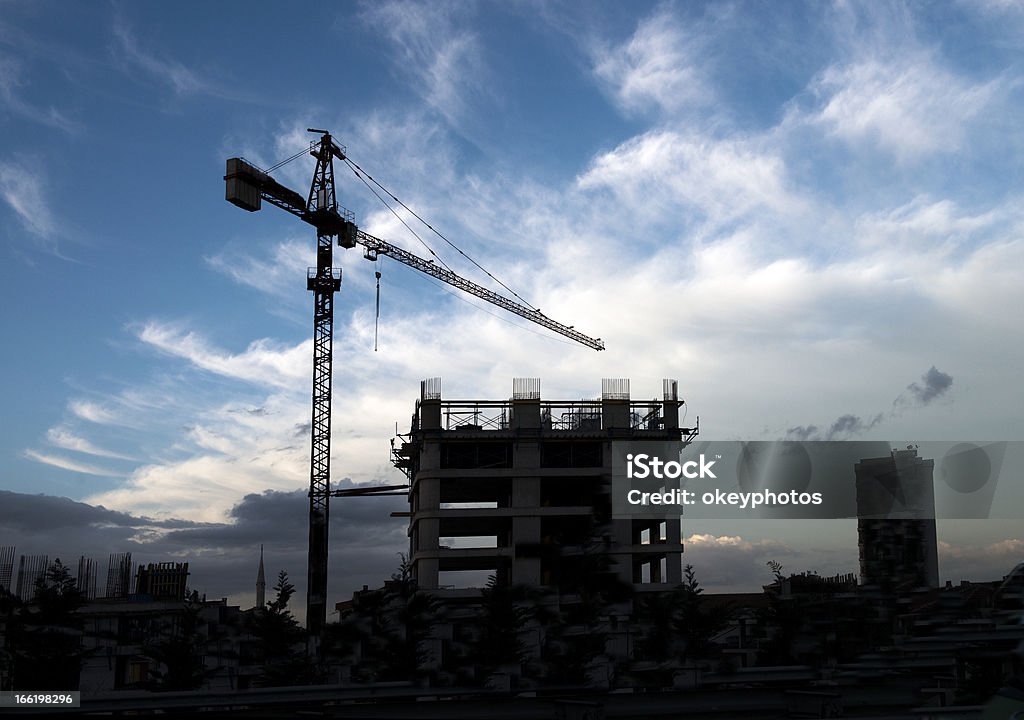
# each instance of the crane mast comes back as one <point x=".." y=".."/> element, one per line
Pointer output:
<point x="246" y="187"/>
<point x="323" y="282"/>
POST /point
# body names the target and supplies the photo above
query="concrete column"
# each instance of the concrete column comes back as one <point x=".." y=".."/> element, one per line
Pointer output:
<point x="526" y="492"/>
<point x="429" y="490"/>
<point x="430" y="414"/>
<point x="670" y="414"/>
<point x="614" y="414"/>
<point x="526" y="532"/>
<point x="674" y="543"/>
<point x="428" y="531"/>
<point x="526" y="414"/>
<point x="426" y="573"/>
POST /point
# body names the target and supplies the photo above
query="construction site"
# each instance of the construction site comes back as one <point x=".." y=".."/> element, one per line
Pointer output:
<point x="519" y="585"/>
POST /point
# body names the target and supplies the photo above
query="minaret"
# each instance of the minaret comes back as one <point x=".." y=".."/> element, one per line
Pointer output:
<point x="261" y="584"/>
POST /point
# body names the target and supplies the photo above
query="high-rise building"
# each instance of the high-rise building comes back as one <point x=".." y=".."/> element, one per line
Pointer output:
<point x="896" y="521"/>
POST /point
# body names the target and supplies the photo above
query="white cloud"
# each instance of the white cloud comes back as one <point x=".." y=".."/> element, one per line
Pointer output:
<point x="23" y="191"/>
<point x="93" y="412"/>
<point x="11" y="81"/>
<point x="938" y="225"/>
<point x="278" y="275"/>
<point x="202" y="488"/>
<point x="73" y="465"/>
<point x="181" y="79"/>
<point x="672" y="178"/>
<point x="657" y="66"/>
<point x="263" y="362"/>
<point x="64" y="438"/>
<point x="989" y="561"/>
<point x="909" y="106"/>
<point x="433" y="48"/>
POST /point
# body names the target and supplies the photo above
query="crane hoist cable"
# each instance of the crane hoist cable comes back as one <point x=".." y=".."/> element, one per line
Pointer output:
<point x="376" y="318"/>
<point x="359" y="171"/>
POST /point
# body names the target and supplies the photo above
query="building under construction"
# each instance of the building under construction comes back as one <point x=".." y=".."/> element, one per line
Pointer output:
<point x="520" y="488"/>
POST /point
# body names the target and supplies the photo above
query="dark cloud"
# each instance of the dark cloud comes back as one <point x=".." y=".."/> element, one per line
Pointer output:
<point x="843" y="427"/>
<point x="847" y="425"/>
<point x="803" y="432"/>
<point x="934" y="384"/>
<point x="33" y="513"/>
<point x="365" y="541"/>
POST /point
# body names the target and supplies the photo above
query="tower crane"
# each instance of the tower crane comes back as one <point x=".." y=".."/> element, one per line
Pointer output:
<point x="246" y="187"/>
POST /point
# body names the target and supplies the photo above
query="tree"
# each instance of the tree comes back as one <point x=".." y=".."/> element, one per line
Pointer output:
<point x="282" y="640"/>
<point x="44" y="635"/>
<point x="180" y="650"/>
<point x="784" y="616"/>
<point x="10" y="609"/>
<point x="577" y="639"/>
<point x="678" y="626"/>
<point x="507" y="613"/>
<point x="385" y="631"/>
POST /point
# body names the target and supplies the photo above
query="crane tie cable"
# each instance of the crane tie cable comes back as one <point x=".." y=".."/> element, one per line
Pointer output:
<point x="285" y="162"/>
<point x="358" y="170"/>
<point x="400" y="218"/>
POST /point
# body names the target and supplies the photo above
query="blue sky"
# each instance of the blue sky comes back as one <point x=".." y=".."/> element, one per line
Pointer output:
<point x="796" y="210"/>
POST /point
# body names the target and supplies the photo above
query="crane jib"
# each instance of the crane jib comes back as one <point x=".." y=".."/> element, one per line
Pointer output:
<point x="382" y="247"/>
<point x="247" y="185"/>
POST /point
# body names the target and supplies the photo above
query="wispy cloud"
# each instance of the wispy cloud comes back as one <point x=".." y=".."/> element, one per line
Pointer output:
<point x="22" y="190"/>
<point x="908" y="106"/>
<point x="11" y="82"/>
<point x="93" y="412"/>
<point x="659" y="66"/>
<point x="435" y="49"/>
<point x="64" y="438"/>
<point x="181" y="79"/>
<point x="278" y="274"/>
<point x="263" y="362"/>
<point x="718" y="182"/>
<point x="72" y="465"/>
<point x="929" y="224"/>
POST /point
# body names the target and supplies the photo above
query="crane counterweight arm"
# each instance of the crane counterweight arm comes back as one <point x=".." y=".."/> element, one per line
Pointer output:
<point x="382" y="247"/>
<point x="247" y="185"/>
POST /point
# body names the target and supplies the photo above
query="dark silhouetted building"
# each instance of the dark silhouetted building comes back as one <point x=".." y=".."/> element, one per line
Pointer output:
<point x="896" y="521"/>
